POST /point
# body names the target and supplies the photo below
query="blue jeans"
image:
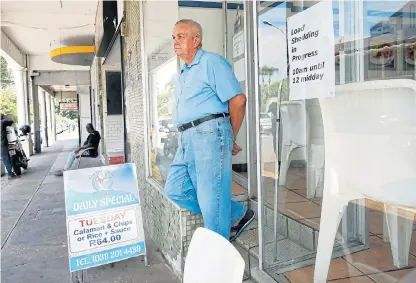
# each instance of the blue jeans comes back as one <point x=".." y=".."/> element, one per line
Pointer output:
<point x="6" y="159"/>
<point x="71" y="158"/>
<point x="200" y="176"/>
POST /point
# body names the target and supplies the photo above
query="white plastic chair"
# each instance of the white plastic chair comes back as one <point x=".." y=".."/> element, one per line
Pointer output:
<point x="212" y="258"/>
<point x="315" y="148"/>
<point x="370" y="152"/>
<point x="293" y="117"/>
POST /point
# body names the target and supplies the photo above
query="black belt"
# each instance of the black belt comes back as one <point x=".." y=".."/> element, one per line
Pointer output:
<point x="195" y="123"/>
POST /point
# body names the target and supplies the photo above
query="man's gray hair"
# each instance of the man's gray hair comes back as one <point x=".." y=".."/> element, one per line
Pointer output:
<point x="195" y="27"/>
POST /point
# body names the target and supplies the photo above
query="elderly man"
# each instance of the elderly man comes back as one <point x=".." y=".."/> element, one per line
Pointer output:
<point x="210" y="107"/>
<point x="89" y="149"/>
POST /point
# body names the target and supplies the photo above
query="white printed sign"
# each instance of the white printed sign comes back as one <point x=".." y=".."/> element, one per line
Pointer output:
<point x="104" y="220"/>
<point x="238" y="44"/>
<point x="311" y="53"/>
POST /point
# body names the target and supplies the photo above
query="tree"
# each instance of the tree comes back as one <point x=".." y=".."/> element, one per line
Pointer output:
<point x="272" y="91"/>
<point x="163" y="100"/>
<point x="6" y="78"/>
<point x="8" y="102"/>
<point x="170" y="86"/>
<point x="268" y="71"/>
<point x="70" y="114"/>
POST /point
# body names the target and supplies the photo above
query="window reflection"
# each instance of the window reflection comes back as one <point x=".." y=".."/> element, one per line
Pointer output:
<point x="389" y="39"/>
<point x="374" y="41"/>
<point x="161" y="78"/>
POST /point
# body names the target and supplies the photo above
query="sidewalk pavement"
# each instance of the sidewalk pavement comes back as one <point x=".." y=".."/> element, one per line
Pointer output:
<point x="33" y="230"/>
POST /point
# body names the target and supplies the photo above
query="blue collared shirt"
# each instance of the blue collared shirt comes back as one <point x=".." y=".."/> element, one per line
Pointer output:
<point x="204" y="88"/>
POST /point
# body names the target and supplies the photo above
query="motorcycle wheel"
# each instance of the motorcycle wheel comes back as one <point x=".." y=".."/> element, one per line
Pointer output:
<point x="16" y="167"/>
<point x="166" y="151"/>
<point x="24" y="163"/>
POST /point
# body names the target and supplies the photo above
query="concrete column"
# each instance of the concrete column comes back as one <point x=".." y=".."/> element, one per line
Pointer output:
<point x="43" y="117"/>
<point x="53" y="119"/>
<point x="36" y="122"/>
<point x="28" y="146"/>
<point x="84" y="100"/>
<point x="27" y="90"/>
<point x="49" y="118"/>
<point x="22" y="117"/>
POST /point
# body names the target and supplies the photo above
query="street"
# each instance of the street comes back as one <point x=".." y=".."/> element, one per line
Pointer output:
<point x="33" y="229"/>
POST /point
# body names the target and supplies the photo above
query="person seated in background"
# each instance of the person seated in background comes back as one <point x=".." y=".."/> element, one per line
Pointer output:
<point x="89" y="149"/>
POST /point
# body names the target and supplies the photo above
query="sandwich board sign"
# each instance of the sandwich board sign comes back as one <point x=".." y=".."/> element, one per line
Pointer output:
<point x="103" y="216"/>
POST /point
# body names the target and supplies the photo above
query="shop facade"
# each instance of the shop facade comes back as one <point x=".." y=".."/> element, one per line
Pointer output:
<point x="364" y="135"/>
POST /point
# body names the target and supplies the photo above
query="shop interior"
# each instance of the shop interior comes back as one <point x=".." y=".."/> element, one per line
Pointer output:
<point x="373" y="43"/>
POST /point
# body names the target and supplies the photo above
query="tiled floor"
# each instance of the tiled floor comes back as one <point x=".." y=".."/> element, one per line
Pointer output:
<point x="372" y="265"/>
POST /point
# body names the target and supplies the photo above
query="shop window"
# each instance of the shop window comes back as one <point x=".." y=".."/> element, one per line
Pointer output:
<point x="374" y="41"/>
<point x="162" y="65"/>
<point x="113" y="89"/>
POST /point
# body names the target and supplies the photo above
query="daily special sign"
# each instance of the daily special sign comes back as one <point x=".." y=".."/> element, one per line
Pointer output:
<point x="311" y="52"/>
<point x="103" y="216"/>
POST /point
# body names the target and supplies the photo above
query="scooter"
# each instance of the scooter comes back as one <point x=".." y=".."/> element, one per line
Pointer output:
<point x="171" y="142"/>
<point x="17" y="155"/>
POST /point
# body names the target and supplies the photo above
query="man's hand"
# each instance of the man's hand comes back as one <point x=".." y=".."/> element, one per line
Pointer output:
<point x="236" y="149"/>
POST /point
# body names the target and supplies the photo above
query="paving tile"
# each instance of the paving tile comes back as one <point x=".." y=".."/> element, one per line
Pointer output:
<point x="294" y="182"/>
<point x="301" y="210"/>
<point x="393" y="276"/>
<point x="42" y="271"/>
<point x="238" y="190"/>
<point x="284" y="196"/>
<point x="317" y="201"/>
<point x="287" y="196"/>
<point x="301" y="192"/>
<point x="359" y="279"/>
<point x="376" y="221"/>
<point x="339" y="268"/>
<point x="299" y="171"/>
<point x="376" y="259"/>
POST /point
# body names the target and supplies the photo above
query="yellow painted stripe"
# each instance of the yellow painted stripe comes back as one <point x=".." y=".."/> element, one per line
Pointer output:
<point x="72" y="50"/>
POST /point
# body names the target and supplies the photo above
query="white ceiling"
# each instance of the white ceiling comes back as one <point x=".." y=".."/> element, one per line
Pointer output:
<point x="36" y="27"/>
<point x="59" y="88"/>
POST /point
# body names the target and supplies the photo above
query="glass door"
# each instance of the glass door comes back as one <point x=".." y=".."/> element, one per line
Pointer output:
<point x="292" y="145"/>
